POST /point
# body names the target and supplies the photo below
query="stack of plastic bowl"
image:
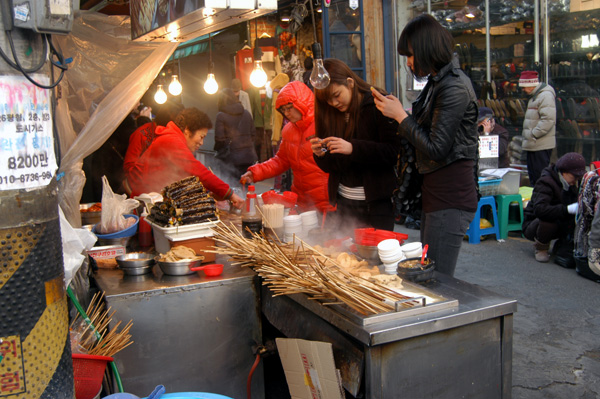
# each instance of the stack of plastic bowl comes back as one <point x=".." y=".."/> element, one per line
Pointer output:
<point x="292" y="225"/>
<point x="412" y="250"/>
<point x="390" y="254"/>
<point x="309" y="221"/>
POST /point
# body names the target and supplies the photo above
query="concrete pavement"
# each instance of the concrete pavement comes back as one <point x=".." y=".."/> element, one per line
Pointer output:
<point x="556" y="341"/>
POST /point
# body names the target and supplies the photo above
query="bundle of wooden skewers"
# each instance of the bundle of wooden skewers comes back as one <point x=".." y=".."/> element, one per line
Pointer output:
<point x="99" y="340"/>
<point x="293" y="268"/>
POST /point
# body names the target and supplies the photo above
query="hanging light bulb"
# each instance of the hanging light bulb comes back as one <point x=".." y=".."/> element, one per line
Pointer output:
<point x="258" y="77"/>
<point x="175" y="86"/>
<point x="211" y="86"/>
<point x="319" y="77"/>
<point x="160" y="97"/>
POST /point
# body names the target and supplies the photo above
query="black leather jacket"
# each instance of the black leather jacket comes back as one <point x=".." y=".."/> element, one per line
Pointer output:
<point x="443" y="125"/>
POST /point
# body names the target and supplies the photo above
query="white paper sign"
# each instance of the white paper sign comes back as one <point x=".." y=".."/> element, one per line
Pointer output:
<point x="27" y="157"/>
<point x="488" y="146"/>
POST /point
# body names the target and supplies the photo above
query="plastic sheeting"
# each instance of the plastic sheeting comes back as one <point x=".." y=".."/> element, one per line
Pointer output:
<point x="109" y="74"/>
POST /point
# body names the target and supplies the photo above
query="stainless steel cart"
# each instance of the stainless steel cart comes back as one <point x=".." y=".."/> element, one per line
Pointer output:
<point x="461" y="348"/>
<point x="190" y="333"/>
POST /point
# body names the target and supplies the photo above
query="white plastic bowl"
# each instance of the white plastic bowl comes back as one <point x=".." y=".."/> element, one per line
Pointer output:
<point x="388" y="246"/>
<point x="412" y="249"/>
<point x="395" y="258"/>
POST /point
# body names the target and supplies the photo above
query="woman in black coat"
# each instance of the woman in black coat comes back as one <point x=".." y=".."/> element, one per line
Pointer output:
<point x="443" y="130"/>
<point x="234" y="134"/>
<point x="550" y="214"/>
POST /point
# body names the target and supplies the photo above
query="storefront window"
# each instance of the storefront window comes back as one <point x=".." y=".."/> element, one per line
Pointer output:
<point x="344" y="34"/>
<point x="574" y="72"/>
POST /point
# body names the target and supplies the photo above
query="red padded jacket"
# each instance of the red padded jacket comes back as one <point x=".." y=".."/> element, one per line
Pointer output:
<point x="310" y="182"/>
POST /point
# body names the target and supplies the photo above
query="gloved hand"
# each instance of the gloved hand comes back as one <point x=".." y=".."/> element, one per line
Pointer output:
<point x="594" y="260"/>
<point x="572" y="209"/>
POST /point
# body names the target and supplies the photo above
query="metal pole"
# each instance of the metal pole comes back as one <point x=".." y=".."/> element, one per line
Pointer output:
<point x="536" y="31"/>
<point x="488" y="60"/>
<point x="34" y="320"/>
<point x="546" y="64"/>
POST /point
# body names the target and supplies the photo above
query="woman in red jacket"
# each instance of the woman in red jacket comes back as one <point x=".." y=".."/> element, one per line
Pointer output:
<point x="170" y="158"/>
<point x="296" y="102"/>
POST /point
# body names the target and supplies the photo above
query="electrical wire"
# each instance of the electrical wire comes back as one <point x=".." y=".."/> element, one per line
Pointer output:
<point x="32" y="69"/>
<point x="249" y="382"/>
<point x="60" y="64"/>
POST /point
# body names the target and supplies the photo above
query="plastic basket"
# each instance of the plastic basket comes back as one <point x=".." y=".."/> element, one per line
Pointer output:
<point x="128" y="232"/>
<point x="88" y="372"/>
<point x="489" y="187"/>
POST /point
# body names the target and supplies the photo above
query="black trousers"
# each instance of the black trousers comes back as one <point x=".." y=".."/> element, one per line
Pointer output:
<point x="536" y="162"/>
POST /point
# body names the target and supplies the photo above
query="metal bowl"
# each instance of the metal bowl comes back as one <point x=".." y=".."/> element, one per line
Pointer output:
<point x="180" y="268"/>
<point x="89" y="217"/>
<point x="135" y="260"/>
<point x="137" y="271"/>
<point x="368" y="251"/>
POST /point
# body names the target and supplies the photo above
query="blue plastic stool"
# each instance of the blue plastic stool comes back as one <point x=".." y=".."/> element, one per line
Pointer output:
<point x="504" y="223"/>
<point x="475" y="231"/>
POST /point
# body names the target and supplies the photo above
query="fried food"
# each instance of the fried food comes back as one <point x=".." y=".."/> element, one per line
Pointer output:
<point x="179" y="253"/>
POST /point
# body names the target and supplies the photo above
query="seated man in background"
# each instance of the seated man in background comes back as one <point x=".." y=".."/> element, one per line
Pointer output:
<point x="486" y="126"/>
<point x="551" y="212"/>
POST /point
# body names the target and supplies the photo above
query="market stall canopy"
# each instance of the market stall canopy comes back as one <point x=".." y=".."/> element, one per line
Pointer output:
<point x="184" y="20"/>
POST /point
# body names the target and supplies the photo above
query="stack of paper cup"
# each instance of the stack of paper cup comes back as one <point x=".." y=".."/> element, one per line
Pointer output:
<point x="309" y="221"/>
<point x="390" y="254"/>
<point x="292" y="225"/>
<point x="412" y="250"/>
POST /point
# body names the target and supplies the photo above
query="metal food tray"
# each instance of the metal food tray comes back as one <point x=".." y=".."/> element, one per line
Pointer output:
<point x="421" y="307"/>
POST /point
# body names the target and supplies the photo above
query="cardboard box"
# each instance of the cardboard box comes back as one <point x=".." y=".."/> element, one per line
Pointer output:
<point x="584" y="5"/>
<point x="198" y="244"/>
<point x="310" y="369"/>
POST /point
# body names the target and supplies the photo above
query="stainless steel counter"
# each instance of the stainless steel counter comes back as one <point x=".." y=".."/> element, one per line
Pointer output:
<point x="190" y="333"/>
<point x="462" y="352"/>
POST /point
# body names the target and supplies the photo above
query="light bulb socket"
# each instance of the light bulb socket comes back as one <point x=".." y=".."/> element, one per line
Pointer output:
<point x="258" y="53"/>
<point x="317" y="52"/>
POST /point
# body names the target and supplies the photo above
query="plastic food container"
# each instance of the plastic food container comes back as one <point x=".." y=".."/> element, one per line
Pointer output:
<point x="178" y="233"/>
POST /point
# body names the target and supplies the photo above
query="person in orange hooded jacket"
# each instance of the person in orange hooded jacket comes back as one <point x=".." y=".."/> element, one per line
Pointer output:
<point x="296" y="102"/>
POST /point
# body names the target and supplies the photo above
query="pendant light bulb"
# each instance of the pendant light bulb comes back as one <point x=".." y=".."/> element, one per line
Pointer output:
<point x="211" y="86"/>
<point x="258" y="77"/>
<point x="160" y="97"/>
<point x="319" y="77"/>
<point x="175" y="86"/>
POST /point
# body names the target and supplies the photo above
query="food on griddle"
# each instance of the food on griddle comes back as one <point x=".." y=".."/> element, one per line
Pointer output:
<point x="97" y="207"/>
<point x="185" y="202"/>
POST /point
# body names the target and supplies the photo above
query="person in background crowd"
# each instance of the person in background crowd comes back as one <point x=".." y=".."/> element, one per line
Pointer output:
<point x="587" y="227"/>
<point x="234" y="133"/>
<point x="539" y="125"/>
<point x="143" y="136"/>
<point x="242" y="96"/>
<point x="362" y="150"/>
<point x="170" y="158"/>
<point x="486" y="125"/>
<point x="443" y="130"/>
<point x="550" y="213"/>
<point x="296" y="102"/>
<point x="308" y="66"/>
<point x="290" y="65"/>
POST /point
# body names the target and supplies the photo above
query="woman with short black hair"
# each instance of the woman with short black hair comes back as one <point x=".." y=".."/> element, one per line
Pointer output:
<point x="443" y="130"/>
